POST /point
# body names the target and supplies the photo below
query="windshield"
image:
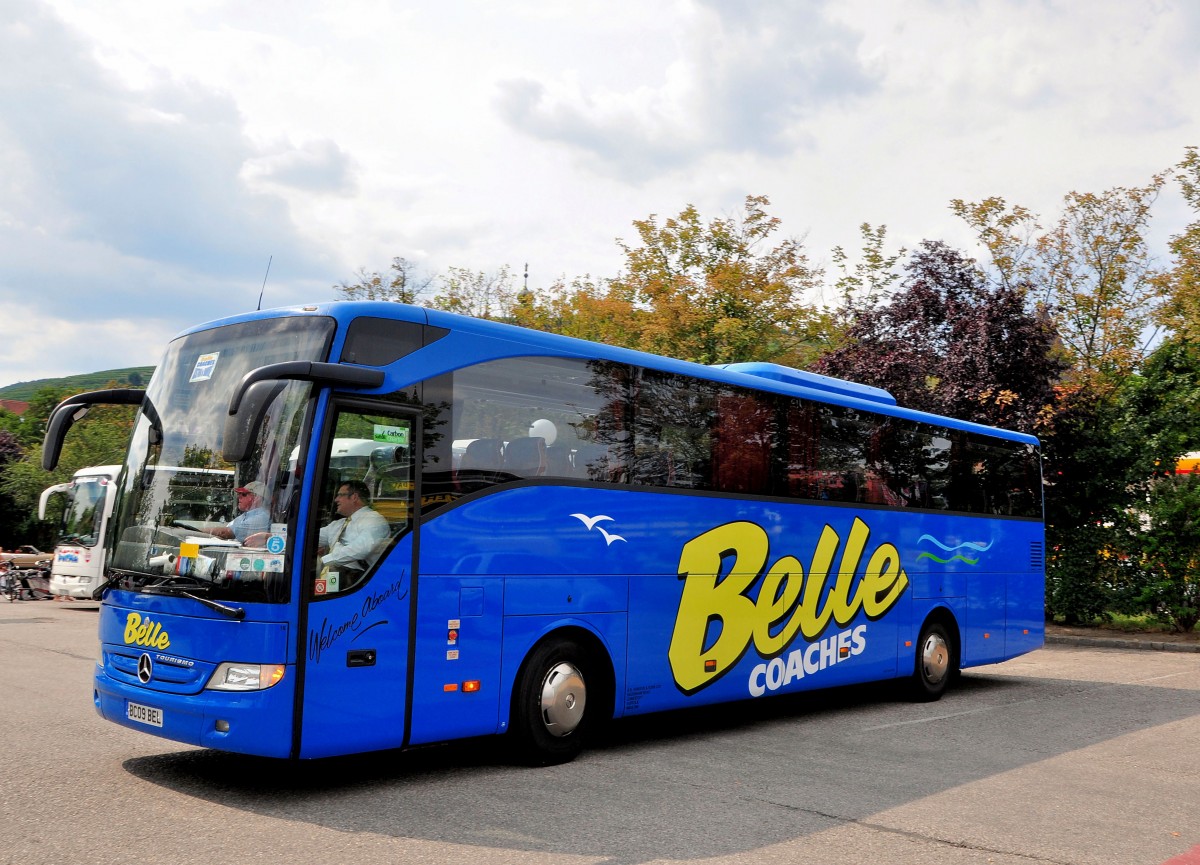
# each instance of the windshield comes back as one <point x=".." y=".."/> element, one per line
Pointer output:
<point x="84" y="514"/>
<point x="185" y="518"/>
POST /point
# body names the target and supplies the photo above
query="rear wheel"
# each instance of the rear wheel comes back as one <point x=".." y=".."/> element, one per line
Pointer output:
<point x="935" y="664"/>
<point x="550" y="715"/>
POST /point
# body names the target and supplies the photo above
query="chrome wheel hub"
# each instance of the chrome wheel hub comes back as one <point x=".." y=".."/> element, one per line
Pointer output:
<point x="935" y="658"/>
<point x="564" y="696"/>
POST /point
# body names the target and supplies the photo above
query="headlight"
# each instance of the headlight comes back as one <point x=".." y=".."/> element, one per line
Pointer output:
<point x="245" y="677"/>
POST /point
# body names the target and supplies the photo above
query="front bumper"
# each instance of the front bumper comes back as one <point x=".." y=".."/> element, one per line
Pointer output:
<point x="246" y="722"/>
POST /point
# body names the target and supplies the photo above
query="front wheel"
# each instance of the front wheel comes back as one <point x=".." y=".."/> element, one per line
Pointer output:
<point x="935" y="663"/>
<point x="550" y="716"/>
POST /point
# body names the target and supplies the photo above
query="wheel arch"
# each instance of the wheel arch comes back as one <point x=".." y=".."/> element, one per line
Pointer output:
<point x="945" y="617"/>
<point x="593" y="641"/>
<point x="605" y="689"/>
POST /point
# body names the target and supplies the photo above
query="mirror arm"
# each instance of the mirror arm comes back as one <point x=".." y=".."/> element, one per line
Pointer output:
<point x="306" y="370"/>
<point x="68" y="411"/>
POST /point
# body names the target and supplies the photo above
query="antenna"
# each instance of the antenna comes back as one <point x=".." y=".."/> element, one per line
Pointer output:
<point x="264" y="285"/>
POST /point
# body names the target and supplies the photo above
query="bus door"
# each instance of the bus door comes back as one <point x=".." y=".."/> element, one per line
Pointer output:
<point x="358" y="585"/>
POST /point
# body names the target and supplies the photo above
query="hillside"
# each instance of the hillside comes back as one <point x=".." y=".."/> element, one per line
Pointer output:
<point x="24" y="390"/>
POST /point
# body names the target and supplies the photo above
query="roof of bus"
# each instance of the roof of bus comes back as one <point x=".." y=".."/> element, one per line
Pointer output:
<point x="98" y="471"/>
<point x="490" y="340"/>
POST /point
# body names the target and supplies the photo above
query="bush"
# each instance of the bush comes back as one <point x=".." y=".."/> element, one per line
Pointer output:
<point x="1166" y="551"/>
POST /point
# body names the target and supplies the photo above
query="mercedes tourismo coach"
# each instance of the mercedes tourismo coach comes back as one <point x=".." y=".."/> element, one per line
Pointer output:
<point x="473" y="528"/>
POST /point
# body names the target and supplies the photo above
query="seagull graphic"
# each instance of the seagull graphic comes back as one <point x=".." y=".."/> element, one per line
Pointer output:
<point x="590" y="522"/>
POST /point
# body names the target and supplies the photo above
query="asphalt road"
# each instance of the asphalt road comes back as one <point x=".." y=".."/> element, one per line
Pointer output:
<point x="1068" y="755"/>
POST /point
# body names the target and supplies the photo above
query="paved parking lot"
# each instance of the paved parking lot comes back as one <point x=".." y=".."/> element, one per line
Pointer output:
<point x="1068" y="755"/>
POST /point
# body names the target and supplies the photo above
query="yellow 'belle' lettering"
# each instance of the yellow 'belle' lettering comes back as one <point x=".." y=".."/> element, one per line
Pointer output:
<point x="706" y="598"/>
<point x="788" y="602"/>
<point x="145" y="632"/>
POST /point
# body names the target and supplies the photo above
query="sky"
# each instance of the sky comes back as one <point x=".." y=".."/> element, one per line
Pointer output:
<point x="157" y="158"/>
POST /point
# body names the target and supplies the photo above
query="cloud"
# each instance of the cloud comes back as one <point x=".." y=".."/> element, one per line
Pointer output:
<point x="77" y="344"/>
<point x="316" y="166"/>
<point x="748" y="77"/>
<point x="117" y="198"/>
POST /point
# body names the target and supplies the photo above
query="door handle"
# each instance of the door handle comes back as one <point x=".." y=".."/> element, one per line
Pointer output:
<point x="360" y="658"/>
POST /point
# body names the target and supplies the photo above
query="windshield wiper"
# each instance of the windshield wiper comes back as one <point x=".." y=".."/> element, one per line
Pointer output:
<point x="98" y="593"/>
<point x="179" y="591"/>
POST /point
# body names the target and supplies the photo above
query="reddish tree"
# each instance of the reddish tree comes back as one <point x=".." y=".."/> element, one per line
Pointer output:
<point x="948" y="343"/>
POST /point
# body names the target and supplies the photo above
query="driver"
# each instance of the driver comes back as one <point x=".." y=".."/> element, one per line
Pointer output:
<point x="253" y="517"/>
<point x="349" y="542"/>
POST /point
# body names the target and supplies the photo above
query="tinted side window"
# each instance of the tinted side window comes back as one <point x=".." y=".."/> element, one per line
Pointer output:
<point x="525" y="418"/>
<point x="380" y="341"/>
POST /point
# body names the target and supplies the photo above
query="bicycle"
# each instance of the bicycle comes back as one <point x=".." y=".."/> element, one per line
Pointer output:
<point x="30" y="584"/>
<point x="10" y="584"/>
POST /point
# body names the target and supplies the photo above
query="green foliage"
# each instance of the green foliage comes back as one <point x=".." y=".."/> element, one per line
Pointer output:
<point x="872" y="278"/>
<point x="1163" y="401"/>
<point x="1166" y="550"/>
<point x="100" y="438"/>
<point x="479" y="294"/>
<point x="1080" y="575"/>
<point x="1093" y="457"/>
<point x="717" y="292"/>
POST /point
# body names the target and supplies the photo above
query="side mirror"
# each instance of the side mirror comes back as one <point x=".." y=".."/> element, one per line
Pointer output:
<point x="259" y="387"/>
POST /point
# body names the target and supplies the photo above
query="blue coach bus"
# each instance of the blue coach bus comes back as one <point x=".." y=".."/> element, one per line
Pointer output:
<point x="551" y="533"/>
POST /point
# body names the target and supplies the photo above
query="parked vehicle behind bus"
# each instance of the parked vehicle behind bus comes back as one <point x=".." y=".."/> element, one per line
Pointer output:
<point x="571" y="533"/>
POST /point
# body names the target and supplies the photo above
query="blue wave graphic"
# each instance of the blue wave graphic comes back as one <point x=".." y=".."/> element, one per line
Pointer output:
<point x="974" y="546"/>
<point x="977" y="546"/>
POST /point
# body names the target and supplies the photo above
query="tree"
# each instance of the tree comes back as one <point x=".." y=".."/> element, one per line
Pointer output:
<point x="1162" y="402"/>
<point x="1092" y="458"/>
<point x="1092" y="270"/>
<point x="405" y="285"/>
<point x="1181" y="312"/>
<point x="948" y="343"/>
<point x="100" y="438"/>
<point x="584" y="309"/>
<point x="873" y="276"/>
<point x="714" y="292"/>
<point x="476" y="293"/>
<point x="1166" y="546"/>
<point x="10" y="452"/>
<point x="717" y="293"/>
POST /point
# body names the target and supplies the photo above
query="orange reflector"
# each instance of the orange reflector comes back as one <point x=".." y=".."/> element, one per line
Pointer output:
<point x="453" y="686"/>
<point x="844" y="651"/>
<point x="908" y="644"/>
<point x="987" y="636"/>
<point x="1026" y="631"/>
<point x="710" y="666"/>
<point x="471" y="686"/>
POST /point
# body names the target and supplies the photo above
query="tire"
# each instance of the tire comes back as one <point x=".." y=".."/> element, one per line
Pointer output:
<point x="551" y="718"/>
<point x="936" y="663"/>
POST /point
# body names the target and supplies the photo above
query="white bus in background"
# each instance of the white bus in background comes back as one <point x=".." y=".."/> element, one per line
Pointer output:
<point x="79" y="554"/>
